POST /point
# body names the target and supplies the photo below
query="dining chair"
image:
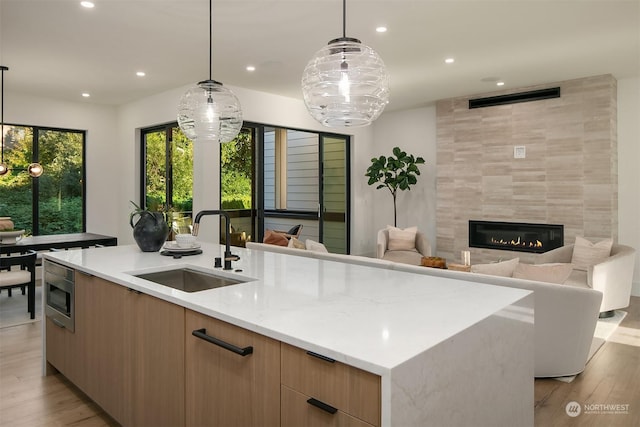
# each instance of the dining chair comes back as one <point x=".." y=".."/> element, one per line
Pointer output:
<point x="18" y="271"/>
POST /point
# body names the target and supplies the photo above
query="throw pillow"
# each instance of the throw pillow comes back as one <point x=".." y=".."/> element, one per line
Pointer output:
<point x="503" y="268"/>
<point x="586" y="254"/>
<point x="314" y="246"/>
<point x="295" y="243"/>
<point x="550" y="273"/>
<point x="402" y="240"/>
<point x="273" y="238"/>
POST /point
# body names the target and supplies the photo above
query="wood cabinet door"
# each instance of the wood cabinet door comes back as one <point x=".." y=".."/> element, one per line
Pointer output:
<point x="56" y="346"/>
<point x="224" y="388"/>
<point x="297" y="411"/>
<point x="157" y="370"/>
<point x="105" y="331"/>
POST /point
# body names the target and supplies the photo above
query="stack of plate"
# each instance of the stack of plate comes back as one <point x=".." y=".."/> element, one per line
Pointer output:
<point x="171" y="248"/>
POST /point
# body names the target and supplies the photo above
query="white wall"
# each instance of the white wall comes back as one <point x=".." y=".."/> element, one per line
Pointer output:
<point x="629" y="169"/>
<point x="414" y="131"/>
<point x="102" y="160"/>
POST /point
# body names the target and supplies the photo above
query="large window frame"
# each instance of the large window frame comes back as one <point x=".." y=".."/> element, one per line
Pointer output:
<point x="257" y="213"/>
<point x="36" y="199"/>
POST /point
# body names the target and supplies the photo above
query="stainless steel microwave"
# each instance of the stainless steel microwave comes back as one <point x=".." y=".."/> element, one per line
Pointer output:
<point x="60" y="294"/>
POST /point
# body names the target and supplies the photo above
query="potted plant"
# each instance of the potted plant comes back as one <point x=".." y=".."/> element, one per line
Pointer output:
<point x="151" y="229"/>
<point x="398" y="171"/>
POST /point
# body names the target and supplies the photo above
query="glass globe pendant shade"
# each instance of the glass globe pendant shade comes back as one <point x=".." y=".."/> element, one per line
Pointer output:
<point x="35" y="170"/>
<point x="209" y="111"/>
<point x="345" y="84"/>
<point x="4" y="169"/>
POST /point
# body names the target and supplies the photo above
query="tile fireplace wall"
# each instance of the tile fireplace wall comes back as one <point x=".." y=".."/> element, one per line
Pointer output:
<point x="569" y="175"/>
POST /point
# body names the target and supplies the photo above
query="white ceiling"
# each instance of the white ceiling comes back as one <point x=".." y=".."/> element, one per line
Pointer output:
<point x="57" y="49"/>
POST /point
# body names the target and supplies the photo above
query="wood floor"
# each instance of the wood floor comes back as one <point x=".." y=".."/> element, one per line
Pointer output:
<point x="612" y="377"/>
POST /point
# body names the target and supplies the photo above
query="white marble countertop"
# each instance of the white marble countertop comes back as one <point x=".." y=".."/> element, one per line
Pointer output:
<point x="370" y="318"/>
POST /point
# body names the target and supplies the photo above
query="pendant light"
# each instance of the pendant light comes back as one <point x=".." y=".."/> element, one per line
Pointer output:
<point x="209" y="111"/>
<point x="345" y="83"/>
<point x="34" y="169"/>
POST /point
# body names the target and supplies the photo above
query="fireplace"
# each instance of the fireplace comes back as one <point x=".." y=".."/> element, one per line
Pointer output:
<point x="515" y="236"/>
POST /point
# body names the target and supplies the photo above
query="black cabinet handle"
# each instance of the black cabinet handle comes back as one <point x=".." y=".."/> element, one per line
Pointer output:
<point x="319" y="356"/>
<point x="319" y="404"/>
<point x="202" y="334"/>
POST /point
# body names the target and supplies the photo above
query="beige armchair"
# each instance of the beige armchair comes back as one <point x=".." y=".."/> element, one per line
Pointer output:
<point x="613" y="276"/>
<point x="413" y="257"/>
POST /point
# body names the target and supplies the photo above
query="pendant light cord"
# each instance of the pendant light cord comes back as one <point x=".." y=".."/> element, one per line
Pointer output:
<point x="210" y="39"/>
<point x="3" y="68"/>
<point x="344" y="18"/>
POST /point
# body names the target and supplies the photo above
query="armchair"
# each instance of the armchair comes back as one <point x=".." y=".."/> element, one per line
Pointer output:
<point x="410" y="256"/>
<point x="25" y="275"/>
<point x="613" y="276"/>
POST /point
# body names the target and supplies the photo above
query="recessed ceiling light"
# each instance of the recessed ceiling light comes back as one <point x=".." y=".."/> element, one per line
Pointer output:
<point x="141" y="73"/>
<point x="86" y="95"/>
<point x="251" y="68"/>
<point x="87" y="4"/>
<point x="499" y="83"/>
<point x="381" y="29"/>
<point x="450" y="60"/>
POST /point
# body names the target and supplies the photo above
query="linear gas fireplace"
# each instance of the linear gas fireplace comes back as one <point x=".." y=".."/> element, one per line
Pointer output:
<point x="515" y="236"/>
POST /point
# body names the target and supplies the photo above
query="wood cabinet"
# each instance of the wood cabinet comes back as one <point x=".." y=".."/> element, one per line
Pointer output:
<point x="157" y="349"/>
<point x="328" y="386"/>
<point x="224" y="388"/>
<point x="56" y="347"/>
<point x="65" y="349"/>
<point x="101" y="317"/>
<point x="127" y="352"/>
<point x="296" y="411"/>
<point x="138" y="358"/>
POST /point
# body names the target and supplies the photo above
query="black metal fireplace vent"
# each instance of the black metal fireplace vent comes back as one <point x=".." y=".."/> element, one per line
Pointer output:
<point x="515" y="236"/>
<point x="513" y="98"/>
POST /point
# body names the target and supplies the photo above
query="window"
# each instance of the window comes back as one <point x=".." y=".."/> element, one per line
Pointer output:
<point x="270" y="178"/>
<point x="168" y="173"/>
<point x="53" y="203"/>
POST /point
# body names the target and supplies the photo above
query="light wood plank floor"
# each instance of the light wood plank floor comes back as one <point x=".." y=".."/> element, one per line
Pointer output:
<point x="611" y="377"/>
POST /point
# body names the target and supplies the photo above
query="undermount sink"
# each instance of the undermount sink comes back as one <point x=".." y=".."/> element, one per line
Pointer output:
<point x="188" y="280"/>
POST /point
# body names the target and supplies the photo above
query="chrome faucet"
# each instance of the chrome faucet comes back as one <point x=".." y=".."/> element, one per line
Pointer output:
<point x="228" y="256"/>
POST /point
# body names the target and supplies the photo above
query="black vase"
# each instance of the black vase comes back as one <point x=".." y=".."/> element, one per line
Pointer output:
<point x="150" y="230"/>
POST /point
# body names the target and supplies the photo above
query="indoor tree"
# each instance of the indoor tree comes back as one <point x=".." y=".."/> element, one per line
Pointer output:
<point x="393" y="173"/>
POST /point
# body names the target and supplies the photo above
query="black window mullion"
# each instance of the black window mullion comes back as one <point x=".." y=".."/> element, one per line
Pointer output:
<point x="169" y="166"/>
<point x="35" y="184"/>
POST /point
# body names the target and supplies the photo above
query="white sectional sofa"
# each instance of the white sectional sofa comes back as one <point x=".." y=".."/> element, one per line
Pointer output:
<point x="565" y="316"/>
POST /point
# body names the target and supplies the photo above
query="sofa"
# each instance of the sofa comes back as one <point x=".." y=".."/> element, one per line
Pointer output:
<point x="565" y="316"/>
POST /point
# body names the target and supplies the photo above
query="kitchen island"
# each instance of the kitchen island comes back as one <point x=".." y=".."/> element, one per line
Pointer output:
<point x="443" y="352"/>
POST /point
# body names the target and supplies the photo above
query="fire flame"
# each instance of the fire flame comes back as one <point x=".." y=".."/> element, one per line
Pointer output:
<point x="518" y="242"/>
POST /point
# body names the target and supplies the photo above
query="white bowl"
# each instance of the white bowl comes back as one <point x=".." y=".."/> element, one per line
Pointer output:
<point x="11" y="237"/>
<point x="185" y="240"/>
